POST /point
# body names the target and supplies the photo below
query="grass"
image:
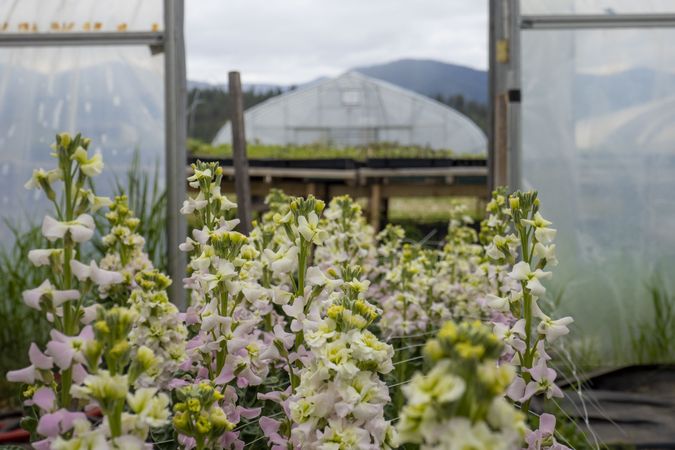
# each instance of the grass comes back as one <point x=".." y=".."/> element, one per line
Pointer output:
<point x="147" y="199"/>
<point x="653" y="339"/>
<point x="20" y="325"/>
<point x="427" y="210"/>
<point x="380" y="150"/>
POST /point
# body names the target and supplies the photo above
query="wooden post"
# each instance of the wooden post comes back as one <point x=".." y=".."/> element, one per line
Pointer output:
<point x="375" y="205"/>
<point x="241" y="178"/>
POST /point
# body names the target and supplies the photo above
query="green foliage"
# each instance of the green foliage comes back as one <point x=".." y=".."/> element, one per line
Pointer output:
<point x="147" y="199"/>
<point x="20" y="325"/>
<point x="210" y="109"/>
<point x="653" y="340"/>
<point x="478" y="112"/>
<point x="318" y="151"/>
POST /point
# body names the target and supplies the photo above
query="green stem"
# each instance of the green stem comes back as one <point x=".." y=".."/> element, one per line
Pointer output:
<point x="66" y="382"/>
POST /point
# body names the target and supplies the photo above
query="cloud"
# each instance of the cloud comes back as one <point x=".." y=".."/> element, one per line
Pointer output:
<point x="293" y="41"/>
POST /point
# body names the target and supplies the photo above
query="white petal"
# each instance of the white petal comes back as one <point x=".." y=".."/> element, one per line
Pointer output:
<point x="52" y="229"/>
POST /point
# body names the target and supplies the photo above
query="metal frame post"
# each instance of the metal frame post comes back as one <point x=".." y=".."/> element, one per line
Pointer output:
<point x="175" y="110"/>
<point x="172" y="41"/>
<point x="504" y="79"/>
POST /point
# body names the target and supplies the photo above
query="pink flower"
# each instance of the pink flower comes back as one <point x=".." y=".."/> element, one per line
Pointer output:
<point x="59" y="422"/>
<point x="45" y="399"/>
<point x="270" y="428"/>
<point x="39" y="361"/>
<point x="543" y="381"/>
<point x="543" y="437"/>
<point x="66" y="349"/>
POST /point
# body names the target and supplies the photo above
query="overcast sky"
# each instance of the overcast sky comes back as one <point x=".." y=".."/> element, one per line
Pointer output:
<point x="294" y="41"/>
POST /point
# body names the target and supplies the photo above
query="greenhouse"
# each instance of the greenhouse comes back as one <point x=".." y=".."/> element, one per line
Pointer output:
<point x="415" y="254"/>
<point x="356" y="110"/>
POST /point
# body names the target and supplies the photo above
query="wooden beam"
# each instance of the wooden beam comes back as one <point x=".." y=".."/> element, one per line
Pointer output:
<point x="375" y="205"/>
<point x="241" y="171"/>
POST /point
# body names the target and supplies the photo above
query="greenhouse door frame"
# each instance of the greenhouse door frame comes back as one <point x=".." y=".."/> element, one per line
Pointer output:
<point x="505" y="27"/>
<point x="171" y="42"/>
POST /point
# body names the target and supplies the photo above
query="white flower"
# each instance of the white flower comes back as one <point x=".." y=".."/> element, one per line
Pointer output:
<point x="80" y="229"/>
<point x="98" y="276"/>
<point x="521" y="272"/>
<point x="32" y="297"/>
<point x="308" y="227"/>
<point x="497" y="303"/>
<point x="193" y="204"/>
<point x="545" y="235"/>
<point x="150" y="406"/>
<point x="93" y="166"/>
<point x="546" y="252"/>
<point x="42" y="176"/>
<point x="42" y="257"/>
<point x="553" y="329"/>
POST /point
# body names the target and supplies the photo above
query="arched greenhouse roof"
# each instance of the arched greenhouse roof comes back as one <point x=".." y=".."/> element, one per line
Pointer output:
<point x="354" y="109"/>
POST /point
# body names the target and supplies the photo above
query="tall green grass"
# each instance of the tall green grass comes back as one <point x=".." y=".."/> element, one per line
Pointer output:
<point x="20" y="325"/>
<point x="147" y="198"/>
<point x="653" y="339"/>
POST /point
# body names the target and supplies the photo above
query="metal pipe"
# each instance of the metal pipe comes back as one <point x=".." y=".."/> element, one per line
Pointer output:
<point x="590" y="21"/>
<point x="175" y="110"/>
<point x="54" y="39"/>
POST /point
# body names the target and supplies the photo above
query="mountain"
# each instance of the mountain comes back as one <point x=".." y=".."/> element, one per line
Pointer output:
<point x="432" y="78"/>
<point x="426" y="77"/>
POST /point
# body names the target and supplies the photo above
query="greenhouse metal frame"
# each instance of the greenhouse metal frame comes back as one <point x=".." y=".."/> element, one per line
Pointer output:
<point x="171" y="42"/>
<point x="505" y="25"/>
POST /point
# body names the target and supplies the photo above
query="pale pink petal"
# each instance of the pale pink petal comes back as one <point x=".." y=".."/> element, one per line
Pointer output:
<point x="31" y="297"/>
<point x="44" y="444"/>
<point x="62" y="353"/>
<point x="25" y="375"/>
<point x="79" y="373"/>
<point x="516" y="389"/>
<point x="250" y="413"/>
<point x="49" y="424"/>
<point x="226" y="375"/>
<point x="547" y="423"/>
<point x="45" y="399"/>
<point x="530" y="390"/>
<point x="87" y="333"/>
<point x="39" y="359"/>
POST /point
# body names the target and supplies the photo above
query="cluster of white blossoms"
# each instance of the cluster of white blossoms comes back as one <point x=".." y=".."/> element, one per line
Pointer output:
<point x="339" y="403"/>
<point x="522" y="247"/>
<point x="124" y="249"/>
<point x="227" y="307"/>
<point x="309" y="333"/>
<point x="90" y="363"/>
<point x="350" y="239"/>
<point x="459" y="402"/>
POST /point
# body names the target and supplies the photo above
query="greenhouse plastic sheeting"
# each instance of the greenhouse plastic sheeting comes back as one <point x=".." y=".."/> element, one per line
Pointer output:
<point x="598" y="124"/>
<point x="114" y="95"/>
<point x="545" y="7"/>
<point x="354" y="109"/>
<point x="80" y="15"/>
